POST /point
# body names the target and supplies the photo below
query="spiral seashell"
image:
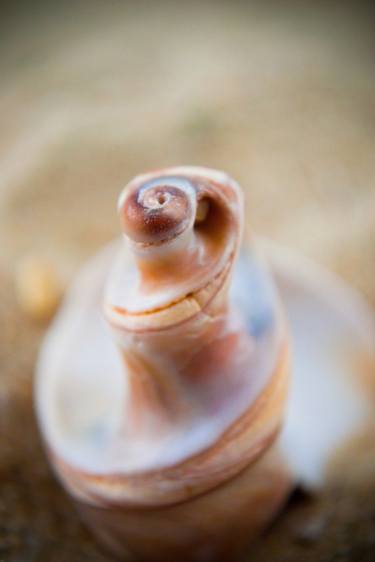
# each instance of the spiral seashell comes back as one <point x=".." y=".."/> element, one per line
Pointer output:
<point x="163" y="383"/>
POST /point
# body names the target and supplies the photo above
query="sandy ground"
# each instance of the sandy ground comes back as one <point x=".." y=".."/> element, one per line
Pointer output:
<point x="280" y="96"/>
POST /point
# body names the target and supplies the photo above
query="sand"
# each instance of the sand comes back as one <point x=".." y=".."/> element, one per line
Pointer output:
<point x="281" y="97"/>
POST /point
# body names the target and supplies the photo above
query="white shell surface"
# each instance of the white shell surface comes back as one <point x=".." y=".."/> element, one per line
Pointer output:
<point x="333" y="331"/>
<point x="81" y="389"/>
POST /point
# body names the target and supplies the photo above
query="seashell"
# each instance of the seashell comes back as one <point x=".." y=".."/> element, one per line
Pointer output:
<point x="163" y="387"/>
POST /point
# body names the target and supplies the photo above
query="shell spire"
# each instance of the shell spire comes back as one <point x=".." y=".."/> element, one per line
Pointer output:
<point x="182" y="227"/>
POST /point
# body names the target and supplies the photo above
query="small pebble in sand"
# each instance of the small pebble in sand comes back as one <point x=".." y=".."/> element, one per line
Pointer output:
<point x="38" y="287"/>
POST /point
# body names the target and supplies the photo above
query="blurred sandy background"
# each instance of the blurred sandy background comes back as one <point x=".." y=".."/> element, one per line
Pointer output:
<point x="279" y="94"/>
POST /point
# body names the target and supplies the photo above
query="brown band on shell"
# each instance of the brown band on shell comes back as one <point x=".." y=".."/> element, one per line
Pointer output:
<point x="253" y="431"/>
<point x="155" y="213"/>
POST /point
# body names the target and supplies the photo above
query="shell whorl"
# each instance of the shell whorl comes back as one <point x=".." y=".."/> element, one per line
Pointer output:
<point x="159" y="206"/>
<point x="183" y="228"/>
<point x="158" y="210"/>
